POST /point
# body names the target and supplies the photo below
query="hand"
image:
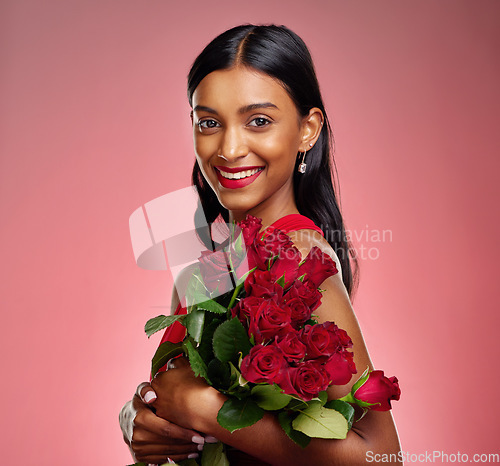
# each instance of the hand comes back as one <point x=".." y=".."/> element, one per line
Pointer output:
<point x="183" y="398"/>
<point x="152" y="439"/>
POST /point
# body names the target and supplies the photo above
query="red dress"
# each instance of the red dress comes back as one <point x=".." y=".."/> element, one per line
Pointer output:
<point x="176" y="332"/>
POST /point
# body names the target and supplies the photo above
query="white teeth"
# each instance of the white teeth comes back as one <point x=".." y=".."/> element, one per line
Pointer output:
<point x="240" y="175"/>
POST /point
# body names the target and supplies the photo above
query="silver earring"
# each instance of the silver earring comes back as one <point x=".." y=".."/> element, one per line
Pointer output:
<point x="302" y="165"/>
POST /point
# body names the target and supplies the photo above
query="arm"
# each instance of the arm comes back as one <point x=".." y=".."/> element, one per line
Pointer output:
<point x="190" y="402"/>
<point x="150" y="438"/>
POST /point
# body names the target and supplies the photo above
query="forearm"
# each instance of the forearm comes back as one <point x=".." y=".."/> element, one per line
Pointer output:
<point x="266" y="440"/>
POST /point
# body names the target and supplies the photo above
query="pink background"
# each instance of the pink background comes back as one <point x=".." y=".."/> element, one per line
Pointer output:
<point x="94" y="123"/>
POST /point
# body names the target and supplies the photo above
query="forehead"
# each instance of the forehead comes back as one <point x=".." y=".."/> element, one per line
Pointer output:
<point x="240" y="86"/>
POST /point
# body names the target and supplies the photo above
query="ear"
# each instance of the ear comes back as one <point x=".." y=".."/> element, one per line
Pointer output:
<point x="312" y="125"/>
<point x="191" y="115"/>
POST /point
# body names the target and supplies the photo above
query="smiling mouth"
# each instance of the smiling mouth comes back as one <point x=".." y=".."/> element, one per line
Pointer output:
<point x="239" y="175"/>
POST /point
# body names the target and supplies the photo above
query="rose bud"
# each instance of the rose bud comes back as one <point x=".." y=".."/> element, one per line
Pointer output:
<point x="264" y="364"/>
<point x="377" y="390"/>
<point x="318" y="266"/>
<point x="250" y="227"/>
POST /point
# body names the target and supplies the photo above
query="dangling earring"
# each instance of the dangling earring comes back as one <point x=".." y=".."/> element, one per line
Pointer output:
<point x="303" y="165"/>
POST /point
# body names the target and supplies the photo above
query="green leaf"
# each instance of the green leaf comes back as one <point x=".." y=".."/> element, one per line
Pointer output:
<point x="343" y="408"/>
<point x="285" y="419"/>
<point x="296" y="404"/>
<point x="230" y="338"/>
<point x="214" y="455"/>
<point x="281" y="281"/>
<point x="361" y="380"/>
<point x="164" y="353"/>
<point x="319" y="422"/>
<point x="160" y="322"/>
<point x="212" y="306"/>
<point x="270" y="397"/>
<point x="196" y="291"/>
<point x="236" y="414"/>
<point x="219" y="373"/>
<point x="323" y="397"/>
<point x="205" y="348"/>
<point x="194" y="323"/>
<point x="197" y="364"/>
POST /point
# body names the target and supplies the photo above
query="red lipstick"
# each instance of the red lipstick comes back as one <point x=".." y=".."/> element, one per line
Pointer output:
<point x="236" y="183"/>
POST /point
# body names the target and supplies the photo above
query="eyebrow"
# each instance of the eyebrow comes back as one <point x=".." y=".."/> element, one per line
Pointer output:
<point x="242" y="110"/>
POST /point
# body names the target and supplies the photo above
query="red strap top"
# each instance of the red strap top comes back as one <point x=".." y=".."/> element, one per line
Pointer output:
<point x="293" y="222"/>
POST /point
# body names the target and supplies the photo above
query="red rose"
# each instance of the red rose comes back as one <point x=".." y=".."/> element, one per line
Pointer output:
<point x="287" y="265"/>
<point x="318" y="266"/>
<point x="321" y="340"/>
<point x="250" y="227"/>
<point x="262" y="250"/>
<point x="270" y="321"/>
<point x="379" y="389"/>
<point x="306" y="380"/>
<point x="214" y="269"/>
<point x="293" y="349"/>
<point x="261" y="284"/>
<point x="245" y="308"/>
<point x="275" y="240"/>
<point x="264" y="364"/>
<point x="340" y="367"/>
<point x="306" y="292"/>
<point x="300" y="312"/>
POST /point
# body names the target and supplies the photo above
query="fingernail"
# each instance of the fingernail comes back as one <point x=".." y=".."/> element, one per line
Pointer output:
<point x="149" y="397"/>
<point x="200" y="446"/>
<point x="210" y="439"/>
<point x="192" y="456"/>
<point x="197" y="439"/>
<point x="170" y="461"/>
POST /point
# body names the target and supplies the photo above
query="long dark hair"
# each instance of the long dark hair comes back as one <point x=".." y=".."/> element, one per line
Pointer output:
<point x="279" y="52"/>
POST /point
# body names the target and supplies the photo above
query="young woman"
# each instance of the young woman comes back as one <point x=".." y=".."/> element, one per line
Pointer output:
<point x="262" y="144"/>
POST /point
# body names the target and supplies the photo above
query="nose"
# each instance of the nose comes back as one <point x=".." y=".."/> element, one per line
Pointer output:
<point x="233" y="145"/>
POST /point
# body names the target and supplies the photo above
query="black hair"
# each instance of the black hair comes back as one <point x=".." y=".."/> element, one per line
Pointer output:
<point x="280" y="53"/>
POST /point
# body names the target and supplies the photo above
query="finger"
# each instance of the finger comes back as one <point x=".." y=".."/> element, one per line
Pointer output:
<point x="149" y="421"/>
<point x="144" y="449"/>
<point x="146" y="393"/>
<point x="126" y="420"/>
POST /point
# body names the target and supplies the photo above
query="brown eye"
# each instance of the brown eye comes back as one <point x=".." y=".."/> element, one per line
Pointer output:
<point x="260" y="121"/>
<point x="207" y="124"/>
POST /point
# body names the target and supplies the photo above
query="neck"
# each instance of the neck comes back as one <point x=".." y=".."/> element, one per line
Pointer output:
<point x="268" y="214"/>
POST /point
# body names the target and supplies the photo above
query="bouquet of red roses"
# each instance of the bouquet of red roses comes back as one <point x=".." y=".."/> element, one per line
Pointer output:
<point x="251" y="333"/>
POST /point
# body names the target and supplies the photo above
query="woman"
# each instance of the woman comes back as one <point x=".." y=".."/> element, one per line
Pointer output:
<point x="262" y="144"/>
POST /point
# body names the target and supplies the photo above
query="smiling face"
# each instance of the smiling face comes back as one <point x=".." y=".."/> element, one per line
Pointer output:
<point x="247" y="132"/>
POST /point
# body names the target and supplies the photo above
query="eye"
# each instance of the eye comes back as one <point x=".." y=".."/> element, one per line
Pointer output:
<point x="260" y="121"/>
<point x="207" y="124"/>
